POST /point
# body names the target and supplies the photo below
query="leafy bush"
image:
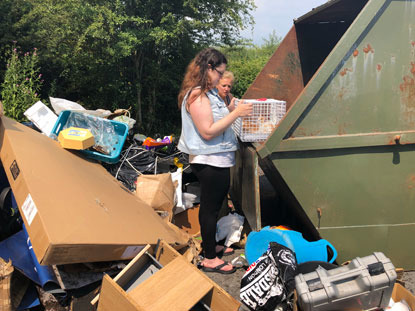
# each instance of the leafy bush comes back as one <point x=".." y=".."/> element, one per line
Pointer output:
<point x="22" y="83"/>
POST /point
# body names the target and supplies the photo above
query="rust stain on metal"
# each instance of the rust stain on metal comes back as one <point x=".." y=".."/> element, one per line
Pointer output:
<point x="284" y="63"/>
<point x="273" y="76"/>
<point x="411" y="182"/>
<point x="355" y="53"/>
<point x="342" y="129"/>
<point x="315" y="133"/>
<point x="413" y="43"/>
<point x="407" y="88"/>
<point x="378" y="67"/>
<point x="301" y="131"/>
<point x="391" y="142"/>
<point x="342" y="92"/>
<point x="344" y="71"/>
<point x="368" y="49"/>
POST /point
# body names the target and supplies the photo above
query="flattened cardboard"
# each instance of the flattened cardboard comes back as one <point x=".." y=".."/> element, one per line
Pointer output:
<point x="74" y="210"/>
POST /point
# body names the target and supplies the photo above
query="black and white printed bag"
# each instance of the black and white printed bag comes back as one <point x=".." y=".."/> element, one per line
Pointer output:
<point x="268" y="284"/>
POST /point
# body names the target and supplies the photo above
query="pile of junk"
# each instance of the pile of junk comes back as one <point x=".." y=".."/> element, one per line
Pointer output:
<point x="95" y="216"/>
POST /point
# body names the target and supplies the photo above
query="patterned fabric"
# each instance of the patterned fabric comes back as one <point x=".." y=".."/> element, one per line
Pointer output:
<point x="6" y="270"/>
<point x="269" y="284"/>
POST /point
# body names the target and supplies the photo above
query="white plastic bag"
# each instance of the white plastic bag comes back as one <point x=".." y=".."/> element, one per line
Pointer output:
<point x="127" y="120"/>
<point x="229" y="227"/>
<point x="177" y="181"/>
<point x="60" y="104"/>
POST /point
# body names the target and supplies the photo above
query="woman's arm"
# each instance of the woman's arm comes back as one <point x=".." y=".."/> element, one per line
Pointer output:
<point x="202" y="117"/>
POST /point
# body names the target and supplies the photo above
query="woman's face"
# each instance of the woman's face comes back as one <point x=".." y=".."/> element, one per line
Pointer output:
<point x="216" y="74"/>
<point x="224" y="87"/>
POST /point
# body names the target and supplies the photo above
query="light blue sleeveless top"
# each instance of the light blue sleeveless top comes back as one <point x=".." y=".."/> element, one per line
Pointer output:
<point x="191" y="142"/>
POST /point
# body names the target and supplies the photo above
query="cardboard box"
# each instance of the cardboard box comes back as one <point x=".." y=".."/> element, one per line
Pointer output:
<point x="144" y="286"/>
<point x="76" y="138"/>
<point x="157" y="191"/>
<point x="401" y="293"/>
<point x="188" y="220"/>
<point x="73" y="209"/>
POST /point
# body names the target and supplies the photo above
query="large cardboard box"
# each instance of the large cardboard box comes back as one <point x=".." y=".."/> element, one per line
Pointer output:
<point x="73" y="209"/>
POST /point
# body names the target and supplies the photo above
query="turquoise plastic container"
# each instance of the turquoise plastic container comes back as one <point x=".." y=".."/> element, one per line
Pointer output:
<point x="120" y="129"/>
<point x="258" y="242"/>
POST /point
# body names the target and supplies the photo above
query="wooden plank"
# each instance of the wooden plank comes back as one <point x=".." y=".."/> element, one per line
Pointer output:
<point x="219" y="300"/>
<point x="165" y="253"/>
<point x="113" y="297"/>
<point x="172" y="288"/>
<point x="135" y="265"/>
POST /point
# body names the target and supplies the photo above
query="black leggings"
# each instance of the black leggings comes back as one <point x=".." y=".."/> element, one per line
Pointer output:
<point x="214" y="186"/>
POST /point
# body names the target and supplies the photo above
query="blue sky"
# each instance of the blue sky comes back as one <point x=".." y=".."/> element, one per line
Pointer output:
<point x="277" y="15"/>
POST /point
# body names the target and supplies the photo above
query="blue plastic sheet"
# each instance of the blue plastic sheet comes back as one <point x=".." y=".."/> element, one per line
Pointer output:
<point x="30" y="299"/>
<point x="18" y="249"/>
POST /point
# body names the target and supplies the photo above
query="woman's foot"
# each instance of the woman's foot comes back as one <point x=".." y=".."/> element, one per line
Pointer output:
<point x="225" y="251"/>
<point x="217" y="265"/>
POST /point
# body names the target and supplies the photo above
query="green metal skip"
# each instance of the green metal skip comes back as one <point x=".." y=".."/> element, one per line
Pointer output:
<point x="343" y="158"/>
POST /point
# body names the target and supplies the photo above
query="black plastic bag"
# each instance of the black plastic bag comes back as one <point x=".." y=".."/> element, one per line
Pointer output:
<point x="135" y="160"/>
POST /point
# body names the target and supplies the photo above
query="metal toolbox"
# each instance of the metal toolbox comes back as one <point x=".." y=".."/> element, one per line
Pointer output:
<point x="364" y="284"/>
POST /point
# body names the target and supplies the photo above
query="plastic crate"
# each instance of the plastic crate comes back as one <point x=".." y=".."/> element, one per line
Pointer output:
<point x="265" y="117"/>
<point x="120" y="129"/>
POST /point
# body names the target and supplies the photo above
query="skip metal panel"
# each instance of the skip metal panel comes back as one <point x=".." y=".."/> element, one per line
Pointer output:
<point x="346" y="148"/>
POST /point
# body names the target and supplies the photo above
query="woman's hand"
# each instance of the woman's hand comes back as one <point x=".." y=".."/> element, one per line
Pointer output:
<point x="244" y="109"/>
<point x="231" y="106"/>
<point x="202" y="117"/>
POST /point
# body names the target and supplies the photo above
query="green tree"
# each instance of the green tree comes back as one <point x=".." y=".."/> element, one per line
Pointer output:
<point x="130" y="53"/>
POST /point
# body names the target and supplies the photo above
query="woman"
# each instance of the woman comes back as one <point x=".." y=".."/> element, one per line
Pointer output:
<point x="224" y="87"/>
<point x="210" y="142"/>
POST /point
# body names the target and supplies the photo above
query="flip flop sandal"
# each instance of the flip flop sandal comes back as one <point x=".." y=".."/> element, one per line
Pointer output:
<point x="222" y="253"/>
<point x="228" y="253"/>
<point x="218" y="269"/>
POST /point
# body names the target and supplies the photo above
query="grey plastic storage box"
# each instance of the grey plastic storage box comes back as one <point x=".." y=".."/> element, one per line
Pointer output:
<point x="364" y="284"/>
